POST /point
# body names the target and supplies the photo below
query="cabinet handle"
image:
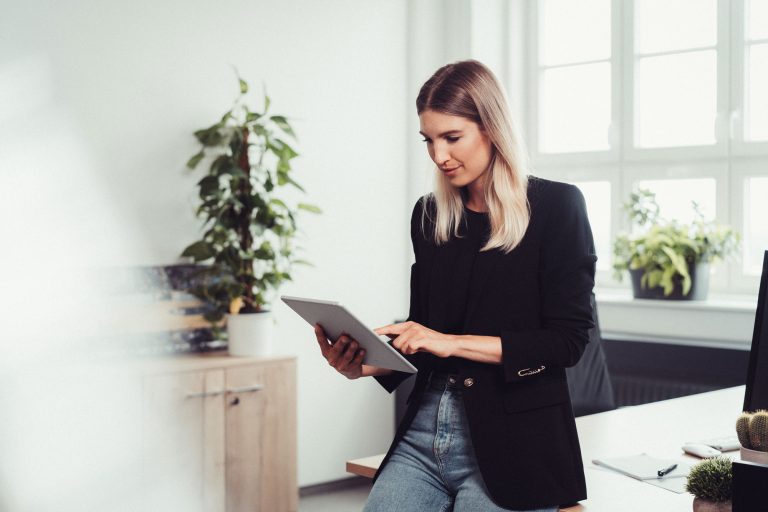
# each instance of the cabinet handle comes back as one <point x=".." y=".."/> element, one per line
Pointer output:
<point x="246" y="389"/>
<point x="204" y="394"/>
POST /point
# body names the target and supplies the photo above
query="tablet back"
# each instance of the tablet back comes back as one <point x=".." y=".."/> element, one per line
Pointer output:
<point x="337" y="320"/>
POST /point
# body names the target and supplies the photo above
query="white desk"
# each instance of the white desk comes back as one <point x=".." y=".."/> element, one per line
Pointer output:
<point x="658" y="429"/>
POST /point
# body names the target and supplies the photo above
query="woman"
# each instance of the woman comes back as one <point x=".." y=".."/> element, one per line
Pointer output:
<point x="500" y="306"/>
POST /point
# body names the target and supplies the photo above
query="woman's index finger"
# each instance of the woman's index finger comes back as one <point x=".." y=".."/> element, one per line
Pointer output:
<point x="391" y="329"/>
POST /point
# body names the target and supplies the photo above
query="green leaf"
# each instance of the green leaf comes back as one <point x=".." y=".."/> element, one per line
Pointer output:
<point x="266" y="101"/>
<point x="278" y="202"/>
<point x="302" y="262"/>
<point x="209" y="186"/>
<point x="192" y="163"/>
<point x="687" y="282"/>
<point x="666" y="280"/>
<point x="252" y="116"/>
<point x="199" y="251"/>
<point x="209" y="137"/>
<point x="309" y="207"/>
<point x="282" y="123"/>
<point x="677" y="261"/>
<point x="221" y="165"/>
<point x="654" y="278"/>
<point x="284" y="151"/>
<point x="243" y="86"/>
<point x="290" y="180"/>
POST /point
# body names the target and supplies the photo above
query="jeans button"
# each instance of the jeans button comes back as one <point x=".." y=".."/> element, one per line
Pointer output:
<point x="468" y="382"/>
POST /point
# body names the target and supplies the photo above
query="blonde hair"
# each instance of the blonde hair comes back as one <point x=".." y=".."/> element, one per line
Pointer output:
<point x="470" y="90"/>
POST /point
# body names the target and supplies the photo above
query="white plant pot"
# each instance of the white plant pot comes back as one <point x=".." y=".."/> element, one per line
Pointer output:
<point x="250" y="334"/>
<point x="754" y="456"/>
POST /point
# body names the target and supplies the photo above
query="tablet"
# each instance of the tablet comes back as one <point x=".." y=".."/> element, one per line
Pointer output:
<point x="336" y="320"/>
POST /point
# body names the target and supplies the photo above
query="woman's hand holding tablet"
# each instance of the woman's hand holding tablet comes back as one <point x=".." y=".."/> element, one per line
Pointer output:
<point x="358" y="351"/>
<point x="346" y="356"/>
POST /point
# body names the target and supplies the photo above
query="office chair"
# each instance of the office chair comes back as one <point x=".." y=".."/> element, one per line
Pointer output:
<point x="588" y="381"/>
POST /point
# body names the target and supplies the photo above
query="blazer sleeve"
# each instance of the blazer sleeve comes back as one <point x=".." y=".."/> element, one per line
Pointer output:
<point x="566" y="280"/>
<point x="392" y="381"/>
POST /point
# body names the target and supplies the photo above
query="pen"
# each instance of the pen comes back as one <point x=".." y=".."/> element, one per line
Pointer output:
<point x="666" y="471"/>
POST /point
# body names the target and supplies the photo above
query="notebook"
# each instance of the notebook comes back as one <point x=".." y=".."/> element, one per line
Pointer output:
<point x="645" y="468"/>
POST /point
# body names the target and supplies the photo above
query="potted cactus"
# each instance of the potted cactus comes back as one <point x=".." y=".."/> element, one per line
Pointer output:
<point x="710" y="481"/>
<point x="752" y="429"/>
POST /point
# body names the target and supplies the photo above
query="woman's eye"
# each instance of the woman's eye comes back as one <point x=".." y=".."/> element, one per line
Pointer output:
<point x="426" y="140"/>
<point x="452" y="139"/>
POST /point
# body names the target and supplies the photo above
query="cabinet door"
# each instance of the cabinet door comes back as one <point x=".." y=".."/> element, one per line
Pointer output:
<point x="184" y="441"/>
<point x="261" y="438"/>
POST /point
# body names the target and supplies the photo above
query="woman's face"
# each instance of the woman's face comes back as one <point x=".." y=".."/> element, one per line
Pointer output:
<point x="461" y="150"/>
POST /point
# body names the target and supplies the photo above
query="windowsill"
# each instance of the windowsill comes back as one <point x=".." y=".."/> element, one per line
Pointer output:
<point x="721" y="321"/>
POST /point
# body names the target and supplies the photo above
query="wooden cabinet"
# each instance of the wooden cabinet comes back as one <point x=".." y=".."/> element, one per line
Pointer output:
<point x="220" y="434"/>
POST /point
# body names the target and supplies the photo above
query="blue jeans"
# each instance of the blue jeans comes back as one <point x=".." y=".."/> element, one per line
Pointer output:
<point x="433" y="467"/>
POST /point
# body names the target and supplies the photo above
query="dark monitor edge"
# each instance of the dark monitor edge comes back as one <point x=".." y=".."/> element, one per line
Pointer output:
<point x="757" y="337"/>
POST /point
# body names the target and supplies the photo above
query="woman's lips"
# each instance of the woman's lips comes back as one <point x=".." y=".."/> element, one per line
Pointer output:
<point x="450" y="172"/>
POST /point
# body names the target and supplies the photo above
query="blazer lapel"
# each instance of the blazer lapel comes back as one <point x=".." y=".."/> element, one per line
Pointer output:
<point x="485" y="263"/>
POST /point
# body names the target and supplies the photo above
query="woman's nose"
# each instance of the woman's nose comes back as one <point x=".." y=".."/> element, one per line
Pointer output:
<point x="441" y="154"/>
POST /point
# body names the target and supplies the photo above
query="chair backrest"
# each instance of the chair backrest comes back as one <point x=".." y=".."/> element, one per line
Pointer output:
<point x="589" y="381"/>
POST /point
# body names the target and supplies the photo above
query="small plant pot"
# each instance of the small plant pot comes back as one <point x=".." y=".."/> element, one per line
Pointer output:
<point x="699" y="285"/>
<point x="754" y="456"/>
<point x="250" y="334"/>
<point x="700" y="505"/>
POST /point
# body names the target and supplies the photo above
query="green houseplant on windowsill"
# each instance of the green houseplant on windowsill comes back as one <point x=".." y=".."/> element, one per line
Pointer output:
<point x="670" y="260"/>
<point x="247" y="248"/>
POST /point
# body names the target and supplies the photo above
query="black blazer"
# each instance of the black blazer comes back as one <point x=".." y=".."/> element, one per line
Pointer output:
<point x="537" y="299"/>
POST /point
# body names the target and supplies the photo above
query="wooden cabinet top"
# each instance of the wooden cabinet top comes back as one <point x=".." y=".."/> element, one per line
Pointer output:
<point x="196" y="362"/>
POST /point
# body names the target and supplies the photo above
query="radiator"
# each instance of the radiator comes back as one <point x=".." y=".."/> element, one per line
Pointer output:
<point x="634" y="390"/>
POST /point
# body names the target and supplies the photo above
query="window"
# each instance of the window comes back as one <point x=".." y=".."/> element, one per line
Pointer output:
<point x="755" y="50"/>
<point x="674" y="71"/>
<point x="670" y="95"/>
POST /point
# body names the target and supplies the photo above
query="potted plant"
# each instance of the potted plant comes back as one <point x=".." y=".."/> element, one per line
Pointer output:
<point x="711" y="483"/>
<point x="669" y="260"/>
<point x="752" y="429"/>
<point x="246" y="250"/>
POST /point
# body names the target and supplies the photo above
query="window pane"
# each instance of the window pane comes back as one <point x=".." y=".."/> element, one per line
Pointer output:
<point x="575" y="108"/>
<point x="756" y="94"/>
<point x="676" y="100"/>
<point x="757" y="19"/>
<point x="666" y="25"/>
<point x="562" y="35"/>
<point x="675" y="196"/>
<point x="755" y="225"/>
<point x="597" y="194"/>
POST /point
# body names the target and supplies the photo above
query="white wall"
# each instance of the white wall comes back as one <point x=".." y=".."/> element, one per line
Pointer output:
<point x="122" y="84"/>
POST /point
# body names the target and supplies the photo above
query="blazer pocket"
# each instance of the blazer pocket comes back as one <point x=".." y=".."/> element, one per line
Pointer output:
<point x="535" y="397"/>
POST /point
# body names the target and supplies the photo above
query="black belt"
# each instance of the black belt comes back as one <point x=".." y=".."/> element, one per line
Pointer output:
<point x="441" y="379"/>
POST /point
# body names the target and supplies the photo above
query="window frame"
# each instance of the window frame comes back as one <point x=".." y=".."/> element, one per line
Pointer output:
<point x="534" y="78"/>
<point x="739" y="146"/>
<point x="729" y="161"/>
